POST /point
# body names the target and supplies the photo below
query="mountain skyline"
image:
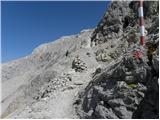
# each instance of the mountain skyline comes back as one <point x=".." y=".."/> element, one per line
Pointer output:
<point x="26" y="25"/>
<point x="95" y="74"/>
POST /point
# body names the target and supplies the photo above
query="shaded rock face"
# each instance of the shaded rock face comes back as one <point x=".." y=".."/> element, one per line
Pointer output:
<point x="128" y="88"/>
<point x="111" y="26"/>
<point x="125" y="92"/>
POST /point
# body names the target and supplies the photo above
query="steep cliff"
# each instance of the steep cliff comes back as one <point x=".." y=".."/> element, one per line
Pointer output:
<point x="129" y="88"/>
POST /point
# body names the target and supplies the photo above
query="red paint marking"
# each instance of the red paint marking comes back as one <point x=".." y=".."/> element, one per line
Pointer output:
<point x="142" y="40"/>
<point x="141" y="21"/>
<point x="137" y="54"/>
<point x="141" y="3"/>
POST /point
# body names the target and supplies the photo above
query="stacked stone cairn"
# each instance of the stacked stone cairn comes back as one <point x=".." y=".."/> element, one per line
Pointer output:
<point x="78" y="65"/>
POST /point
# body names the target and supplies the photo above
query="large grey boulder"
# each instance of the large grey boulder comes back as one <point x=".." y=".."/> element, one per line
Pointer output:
<point x="116" y="95"/>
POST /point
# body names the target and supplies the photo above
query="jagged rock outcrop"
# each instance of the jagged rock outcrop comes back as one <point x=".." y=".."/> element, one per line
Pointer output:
<point x="118" y="91"/>
<point x="111" y="26"/>
<point x="129" y="88"/>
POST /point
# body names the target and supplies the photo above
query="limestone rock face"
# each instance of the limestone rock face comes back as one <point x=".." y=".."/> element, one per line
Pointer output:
<point x="94" y="74"/>
<point x="123" y="90"/>
<point x="111" y="26"/>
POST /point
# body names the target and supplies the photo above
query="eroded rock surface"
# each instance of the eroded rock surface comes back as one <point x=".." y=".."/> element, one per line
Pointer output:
<point x="129" y="88"/>
<point x="94" y="74"/>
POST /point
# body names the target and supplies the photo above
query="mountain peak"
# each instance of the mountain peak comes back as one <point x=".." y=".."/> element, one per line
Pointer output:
<point x="97" y="73"/>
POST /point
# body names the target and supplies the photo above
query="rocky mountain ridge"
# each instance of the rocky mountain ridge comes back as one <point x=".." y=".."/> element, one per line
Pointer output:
<point x="93" y="74"/>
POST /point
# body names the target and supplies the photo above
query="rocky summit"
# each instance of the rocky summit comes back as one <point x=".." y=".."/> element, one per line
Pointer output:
<point x="94" y="74"/>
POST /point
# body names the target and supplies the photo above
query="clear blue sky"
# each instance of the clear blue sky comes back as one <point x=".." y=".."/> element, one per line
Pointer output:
<point x="25" y="25"/>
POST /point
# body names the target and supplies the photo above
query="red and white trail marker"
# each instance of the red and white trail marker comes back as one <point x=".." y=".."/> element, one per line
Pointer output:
<point x="141" y="22"/>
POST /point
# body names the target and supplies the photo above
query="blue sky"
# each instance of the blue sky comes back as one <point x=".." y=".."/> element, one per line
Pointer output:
<point x="25" y="25"/>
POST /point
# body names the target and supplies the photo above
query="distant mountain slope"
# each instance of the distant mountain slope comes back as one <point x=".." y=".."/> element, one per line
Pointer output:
<point x="89" y="75"/>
